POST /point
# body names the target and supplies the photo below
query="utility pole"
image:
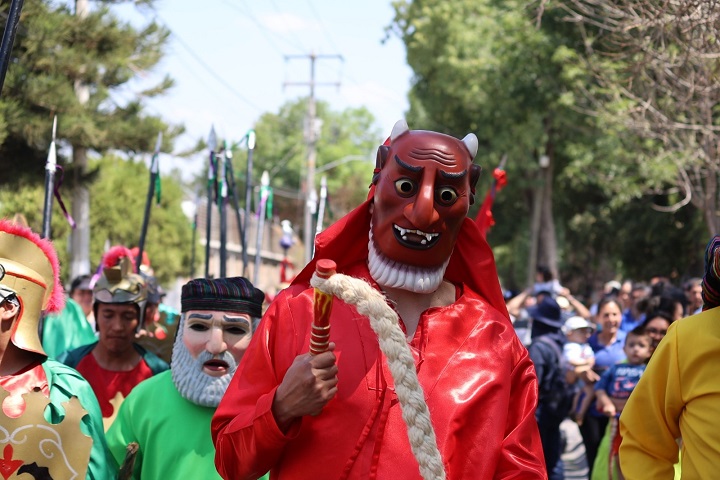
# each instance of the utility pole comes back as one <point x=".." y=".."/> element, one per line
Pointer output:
<point x="311" y="135"/>
<point x="80" y="236"/>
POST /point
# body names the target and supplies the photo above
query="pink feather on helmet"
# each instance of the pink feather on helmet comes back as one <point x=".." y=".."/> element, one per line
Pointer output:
<point x="56" y="301"/>
<point x="116" y="253"/>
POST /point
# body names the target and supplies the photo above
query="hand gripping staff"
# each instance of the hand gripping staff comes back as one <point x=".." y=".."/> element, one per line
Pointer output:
<point x="322" y="308"/>
<point x="384" y="321"/>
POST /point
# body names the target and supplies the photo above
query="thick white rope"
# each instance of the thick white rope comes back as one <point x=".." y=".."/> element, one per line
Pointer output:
<point x="384" y="321"/>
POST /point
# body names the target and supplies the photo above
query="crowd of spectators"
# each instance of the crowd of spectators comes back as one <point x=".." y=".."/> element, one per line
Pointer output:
<point x="606" y="339"/>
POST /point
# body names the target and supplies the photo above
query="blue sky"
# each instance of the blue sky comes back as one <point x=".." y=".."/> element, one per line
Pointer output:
<point x="228" y="58"/>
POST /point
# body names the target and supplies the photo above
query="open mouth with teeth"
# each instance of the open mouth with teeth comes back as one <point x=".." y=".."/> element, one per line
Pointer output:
<point x="216" y="366"/>
<point x="416" y="239"/>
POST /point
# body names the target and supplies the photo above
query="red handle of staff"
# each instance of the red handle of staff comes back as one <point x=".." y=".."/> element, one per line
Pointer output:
<point x="322" y="308"/>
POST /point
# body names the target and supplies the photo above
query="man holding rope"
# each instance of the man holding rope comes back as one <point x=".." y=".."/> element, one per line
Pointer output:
<point x="349" y="412"/>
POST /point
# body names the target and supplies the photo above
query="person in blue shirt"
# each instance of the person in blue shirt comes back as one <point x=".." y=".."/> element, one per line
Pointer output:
<point x="634" y="316"/>
<point x="555" y="395"/>
<point x="608" y="346"/>
<point x="612" y="392"/>
<point x="693" y="293"/>
<point x="615" y="385"/>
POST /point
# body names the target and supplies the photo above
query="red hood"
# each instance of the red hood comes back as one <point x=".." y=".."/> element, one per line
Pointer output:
<point x="471" y="263"/>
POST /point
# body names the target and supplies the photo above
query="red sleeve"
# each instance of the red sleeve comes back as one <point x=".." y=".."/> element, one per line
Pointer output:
<point x="521" y="456"/>
<point x="247" y="440"/>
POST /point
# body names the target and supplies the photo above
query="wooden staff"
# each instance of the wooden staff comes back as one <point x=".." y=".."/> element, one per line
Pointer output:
<point x="126" y="469"/>
<point x="322" y="308"/>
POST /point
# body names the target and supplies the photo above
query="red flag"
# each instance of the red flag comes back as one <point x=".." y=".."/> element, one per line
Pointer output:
<point x="484" y="218"/>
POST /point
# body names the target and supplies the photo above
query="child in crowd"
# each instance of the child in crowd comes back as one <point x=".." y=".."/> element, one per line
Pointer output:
<point x="580" y="358"/>
<point x="612" y="391"/>
<point x="545" y="281"/>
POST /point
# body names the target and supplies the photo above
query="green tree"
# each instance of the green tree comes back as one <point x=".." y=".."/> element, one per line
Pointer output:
<point x="116" y="215"/>
<point x="654" y="69"/>
<point x="513" y="74"/>
<point x="53" y="50"/>
<point x="117" y="211"/>
<point x="69" y="65"/>
<point x="346" y="138"/>
<point x="487" y="67"/>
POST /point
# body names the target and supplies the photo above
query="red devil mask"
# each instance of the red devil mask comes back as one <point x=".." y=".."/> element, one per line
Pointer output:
<point x="424" y="186"/>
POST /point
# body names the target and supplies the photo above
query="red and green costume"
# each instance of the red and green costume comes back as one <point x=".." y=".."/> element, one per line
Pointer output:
<point x="107" y="384"/>
<point x="60" y="383"/>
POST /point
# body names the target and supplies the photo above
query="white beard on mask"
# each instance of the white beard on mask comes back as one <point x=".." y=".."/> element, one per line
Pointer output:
<point x="391" y="274"/>
<point x="191" y="381"/>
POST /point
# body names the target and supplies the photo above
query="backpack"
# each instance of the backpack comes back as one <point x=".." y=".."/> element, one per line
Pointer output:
<point x="556" y="396"/>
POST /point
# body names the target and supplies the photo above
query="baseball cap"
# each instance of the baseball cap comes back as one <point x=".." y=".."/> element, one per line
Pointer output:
<point x="575" y="323"/>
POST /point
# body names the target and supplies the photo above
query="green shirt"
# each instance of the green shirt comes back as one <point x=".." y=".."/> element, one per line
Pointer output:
<point x="173" y="434"/>
<point x="66" y="330"/>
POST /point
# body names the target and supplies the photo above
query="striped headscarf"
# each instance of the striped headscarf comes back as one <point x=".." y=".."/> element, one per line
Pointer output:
<point x="232" y="294"/>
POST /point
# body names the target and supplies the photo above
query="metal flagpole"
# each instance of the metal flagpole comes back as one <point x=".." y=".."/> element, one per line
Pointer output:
<point x="222" y="208"/>
<point x="50" y="169"/>
<point x="212" y="144"/>
<point x="232" y="192"/>
<point x="264" y="193"/>
<point x="194" y="236"/>
<point x="154" y="172"/>
<point x="321" y="206"/>
<point x="248" y="186"/>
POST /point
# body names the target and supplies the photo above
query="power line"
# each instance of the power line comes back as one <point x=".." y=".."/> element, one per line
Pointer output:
<point x="341" y="71"/>
<point x="263" y="30"/>
<point x="298" y="43"/>
<point x="208" y="69"/>
<point x="326" y="32"/>
<point x="284" y="161"/>
<point x="214" y="75"/>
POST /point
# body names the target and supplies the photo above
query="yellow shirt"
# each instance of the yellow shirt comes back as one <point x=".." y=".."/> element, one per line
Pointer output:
<point x="678" y="396"/>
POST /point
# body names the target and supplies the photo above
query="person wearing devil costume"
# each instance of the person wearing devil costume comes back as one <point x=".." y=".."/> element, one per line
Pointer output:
<point x="336" y="414"/>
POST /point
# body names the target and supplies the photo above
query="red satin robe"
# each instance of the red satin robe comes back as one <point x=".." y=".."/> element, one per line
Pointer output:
<point x="478" y="380"/>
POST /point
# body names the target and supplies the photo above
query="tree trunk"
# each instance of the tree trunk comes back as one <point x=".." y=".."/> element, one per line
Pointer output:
<point x="535" y="231"/>
<point x="709" y="144"/>
<point x="543" y="241"/>
<point x="80" y="236"/>
<point x="710" y="205"/>
<point x="547" y="250"/>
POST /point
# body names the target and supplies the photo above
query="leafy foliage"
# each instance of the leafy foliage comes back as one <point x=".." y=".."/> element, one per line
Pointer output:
<point x="116" y="214"/>
<point x="55" y="50"/>
<point x="654" y="67"/>
<point x="346" y="139"/>
<point x="516" y="74"/>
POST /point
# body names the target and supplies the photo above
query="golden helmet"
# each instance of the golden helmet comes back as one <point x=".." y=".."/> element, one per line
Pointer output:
<point x="29" y="271"/>
<point x="118" y="283"/>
